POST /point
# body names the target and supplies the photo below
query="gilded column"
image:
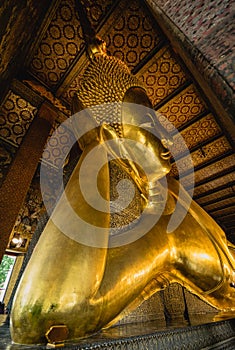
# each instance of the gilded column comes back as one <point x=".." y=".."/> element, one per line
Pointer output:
<point x="16" y="184"/>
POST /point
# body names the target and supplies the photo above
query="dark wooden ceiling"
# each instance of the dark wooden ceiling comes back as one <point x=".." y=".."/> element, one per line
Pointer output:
<point x="53" y="69"/>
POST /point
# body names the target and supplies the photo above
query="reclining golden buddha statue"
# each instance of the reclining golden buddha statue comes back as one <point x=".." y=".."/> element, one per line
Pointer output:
<point x="91" y="265"/>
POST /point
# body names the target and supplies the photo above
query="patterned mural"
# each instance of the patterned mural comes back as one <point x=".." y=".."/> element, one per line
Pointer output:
<point x="63" y="41"/>
<point x="131" y="35"/>
<point x="202" y="155"/>
<point x="58" y="145"/>
<point x="181" y="109"/>
<point x="59" y="46"/>
<point x="198" y="132"/>
<point x="16" y="115"/>
<point x="162" y="75"/>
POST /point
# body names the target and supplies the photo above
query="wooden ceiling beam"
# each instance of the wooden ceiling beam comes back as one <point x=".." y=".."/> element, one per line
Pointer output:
<point x="198" y="146"/>
<point x="221" y="208"/>
<point x="205" y="165"/>
<point x="214" y="177"/>
<point x="219" y="188"/>
<point x="230" y="195"/>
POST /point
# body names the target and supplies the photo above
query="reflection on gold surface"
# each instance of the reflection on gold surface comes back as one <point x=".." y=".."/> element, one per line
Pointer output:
<point x="87" y="288"/>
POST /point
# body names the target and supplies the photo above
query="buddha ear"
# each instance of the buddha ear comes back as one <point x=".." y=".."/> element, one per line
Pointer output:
<point x="131" y="113"/>
<point x="137" y="95"/>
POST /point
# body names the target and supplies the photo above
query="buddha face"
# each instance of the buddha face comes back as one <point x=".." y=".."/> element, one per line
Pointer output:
<point x="149" y="151"/>
<point x="140" y="124"/>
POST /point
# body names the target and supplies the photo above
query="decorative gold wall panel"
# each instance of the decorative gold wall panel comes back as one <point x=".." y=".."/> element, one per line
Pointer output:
<point x="63" y="40"/>
<point x="182" y="108"/>
<point x="212" y="185"/>
<point x="200" y="131"/>
<point x="16" y="115"/>
<point x="162" y="75"/>
<point x="58" y="146"/>
<point x="132" y="35"/>
<point x="59" y="46"/>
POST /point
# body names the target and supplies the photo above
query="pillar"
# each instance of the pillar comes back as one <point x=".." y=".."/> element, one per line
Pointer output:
<point x="16" y="184"/>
